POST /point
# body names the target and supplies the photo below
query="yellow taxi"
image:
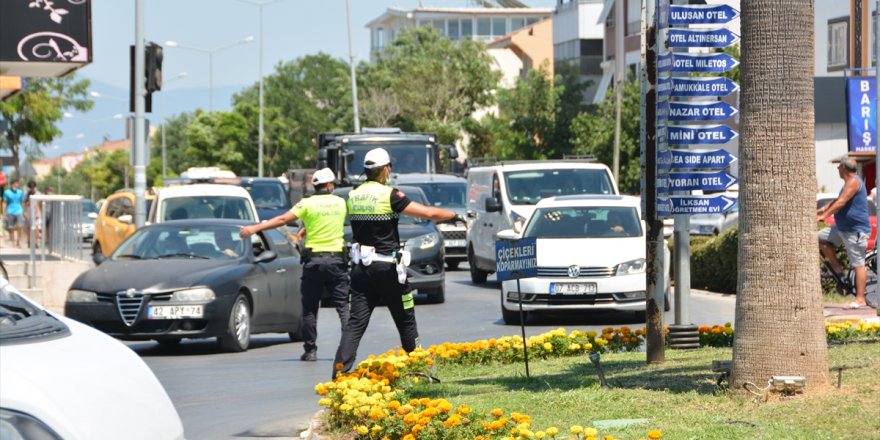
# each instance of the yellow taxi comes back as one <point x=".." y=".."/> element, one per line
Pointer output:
<point x="116" y="221"/>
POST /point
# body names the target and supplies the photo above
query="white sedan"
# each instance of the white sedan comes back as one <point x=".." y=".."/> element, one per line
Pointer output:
<point x="590" y="255"/>
<point x="65" y="380"/>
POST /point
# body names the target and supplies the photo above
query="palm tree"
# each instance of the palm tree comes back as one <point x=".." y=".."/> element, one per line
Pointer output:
<point x="779" y="321"/>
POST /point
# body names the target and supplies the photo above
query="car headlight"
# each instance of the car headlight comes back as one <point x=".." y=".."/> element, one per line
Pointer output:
<point x="631" y="267"/>
<point x="423" y="242"/>
<point x="81" y="296"/>
<point x="16" y="425"/>
<point x="188" y="295"/>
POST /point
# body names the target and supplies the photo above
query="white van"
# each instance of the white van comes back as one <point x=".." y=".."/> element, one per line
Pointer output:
<point x="503" y="196"/>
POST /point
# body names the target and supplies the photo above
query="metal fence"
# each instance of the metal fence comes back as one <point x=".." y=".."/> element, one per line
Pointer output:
<point x="55" y="229"/>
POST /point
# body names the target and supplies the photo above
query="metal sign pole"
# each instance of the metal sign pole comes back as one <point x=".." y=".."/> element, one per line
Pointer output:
<point x="522" y="323"/>
<point x="877" y="148"/>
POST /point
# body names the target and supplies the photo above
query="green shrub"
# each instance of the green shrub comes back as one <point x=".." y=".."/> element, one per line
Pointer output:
<point x="713" y="262"/>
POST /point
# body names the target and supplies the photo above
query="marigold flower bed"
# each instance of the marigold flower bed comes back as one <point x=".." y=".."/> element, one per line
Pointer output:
<point x="371" y="400"/>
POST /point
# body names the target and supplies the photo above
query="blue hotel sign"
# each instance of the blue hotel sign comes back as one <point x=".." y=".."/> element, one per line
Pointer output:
<point x="861" y="114"/>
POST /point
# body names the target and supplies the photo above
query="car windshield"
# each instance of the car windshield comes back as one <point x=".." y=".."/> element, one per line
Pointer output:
<point x="447" y="194"/>
<point x="412" y="193"/>
<point x="268" y="194"/>
<point x="170" y="240"/>
<point x="21" y="321"/>
<point x="584" y="222"/>
<point x="529" y="187"/>
<point x="89" y="207"/>
<point x="405" y="158"/>
<point x="193" y="207"/>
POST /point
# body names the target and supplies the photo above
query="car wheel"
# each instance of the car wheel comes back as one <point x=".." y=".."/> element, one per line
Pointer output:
<point x="511" y="317"/>
<point x="238" y="327"/>
<point x="96" y="249"/>
<point x="435" y="296"/>
<point x="477" y="276"/>
<point x="452" y="264"/>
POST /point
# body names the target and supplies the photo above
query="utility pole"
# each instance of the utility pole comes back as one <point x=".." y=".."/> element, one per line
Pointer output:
<point x="619" y="78"/>
<point x="354" y="94"/>
<point x="140" y="170"/>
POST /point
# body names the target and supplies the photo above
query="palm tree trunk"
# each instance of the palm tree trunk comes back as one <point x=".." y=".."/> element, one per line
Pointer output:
<point x="779" y="322"/>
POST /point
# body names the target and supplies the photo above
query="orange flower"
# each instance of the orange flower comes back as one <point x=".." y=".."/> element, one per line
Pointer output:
<point x="654" y="434"/>
<point x="497" y="412"/>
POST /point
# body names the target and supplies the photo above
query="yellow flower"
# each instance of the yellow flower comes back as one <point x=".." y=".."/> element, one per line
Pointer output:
<point x="552" y="431"/>
<point x="361" y="429"/>
<point x="548" y="346"/>
<point x="577" y="429"/>
<point x="654" y="434"/>
<point x="591" y="432"/>
<point x="325" y="402"/>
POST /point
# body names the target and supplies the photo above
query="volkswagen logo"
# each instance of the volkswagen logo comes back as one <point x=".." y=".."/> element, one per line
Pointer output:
<point x="574" y="271"/>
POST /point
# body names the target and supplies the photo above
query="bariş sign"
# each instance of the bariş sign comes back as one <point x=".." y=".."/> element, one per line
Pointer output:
<point x="683" y="15"/>
<point x="706" y="63"/>
<point x="700" y="111"/>
<point x="699" y="134"/>
<point x="706" y="181"/>
<point x="701" y="204"/>
<point x="701" y="38"/>
<point x="861" y="113"/>
<point x="516" y="259"/>
<point x="717" y="86"/>
<point x="701" y="159"/>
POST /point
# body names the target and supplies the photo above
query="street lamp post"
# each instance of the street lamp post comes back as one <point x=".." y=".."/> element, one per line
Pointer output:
<point x="164" y="121"/>
<point x="210" y="52"/>
<point x="260" y="5"/>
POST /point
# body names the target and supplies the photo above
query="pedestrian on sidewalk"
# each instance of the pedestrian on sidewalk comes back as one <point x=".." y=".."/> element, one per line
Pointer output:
<point x="378" y="273"/>
<point x="851" y="228"/>
<point x="13" y="212"/>
<point x="323" y="215"/>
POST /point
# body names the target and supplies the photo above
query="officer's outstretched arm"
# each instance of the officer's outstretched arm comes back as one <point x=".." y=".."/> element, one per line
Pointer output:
<point x="275" y="222"/>
<point x="416" y="209"/>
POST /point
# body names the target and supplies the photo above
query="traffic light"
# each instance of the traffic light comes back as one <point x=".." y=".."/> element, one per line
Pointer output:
<point x="152" y="75"/>
<point x="154" y="68"/>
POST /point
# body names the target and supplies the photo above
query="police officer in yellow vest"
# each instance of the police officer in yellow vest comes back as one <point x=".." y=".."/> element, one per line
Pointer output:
<point x="378" y="273"/>
<point x="323" y="215"/>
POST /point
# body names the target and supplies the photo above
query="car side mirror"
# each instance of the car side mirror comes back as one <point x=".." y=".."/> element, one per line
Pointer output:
<point x="453" y="152"/>
<point x="98" y="258"/>
<point x="125" y="218"/>
<point x="265" y="257"/>
<point x="493" y="205"/>
<point x="93" y="215"/>
<point x="508" y="234"/>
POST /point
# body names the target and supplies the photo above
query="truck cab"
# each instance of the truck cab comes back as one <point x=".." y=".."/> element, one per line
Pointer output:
<point x="410" y="152"/>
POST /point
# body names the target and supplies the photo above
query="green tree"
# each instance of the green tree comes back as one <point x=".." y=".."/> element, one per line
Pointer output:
<point x="593" y="133"/>
<point x="35" y="111"/>
<point x="219" y="139"/>
<point x="426" y="82"/>
<point x="302" y="97"/>
<point x="175" y="148"/>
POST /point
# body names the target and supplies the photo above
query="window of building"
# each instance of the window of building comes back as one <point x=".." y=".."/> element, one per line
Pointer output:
<point x="838" y="43"/>
<point x="633" y="17"/>
<point x="517" y="24"/>
<point x="440" y="25"/>
<point x="531" y="21"/>
<point x="467" y="27"/>
<point x="484" y="27"/>
<point x="453" y="30"/>
<point x="499" y="27"/>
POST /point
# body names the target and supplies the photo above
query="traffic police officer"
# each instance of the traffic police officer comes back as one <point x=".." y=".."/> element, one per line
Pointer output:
<point x="323" y="215"/>
<point x="378" y="273"/>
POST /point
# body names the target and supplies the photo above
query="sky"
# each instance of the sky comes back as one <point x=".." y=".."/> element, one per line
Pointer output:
<point x="291" y="29"/>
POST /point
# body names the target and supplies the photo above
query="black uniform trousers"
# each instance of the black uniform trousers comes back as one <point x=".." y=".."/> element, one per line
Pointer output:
<point x="370" y="286"/>
<point x="322" y="272"/>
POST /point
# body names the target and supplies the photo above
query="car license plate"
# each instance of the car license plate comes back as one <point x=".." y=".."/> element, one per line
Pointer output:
<point x="572" y="288"/>
<point x="175" y="312"/>
<point x="455" y="243"/>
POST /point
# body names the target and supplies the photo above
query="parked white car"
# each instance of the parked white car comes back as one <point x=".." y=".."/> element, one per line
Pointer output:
<point x="590" y="253"/>
<point x="714" y="224"/>
<point x="65" y="380"/>
<point x="203" y="200"/>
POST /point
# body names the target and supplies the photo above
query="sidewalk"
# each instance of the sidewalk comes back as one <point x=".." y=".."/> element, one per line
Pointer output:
<point x="53" y="276"/>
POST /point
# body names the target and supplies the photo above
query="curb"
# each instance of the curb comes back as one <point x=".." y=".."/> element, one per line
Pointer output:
<point x="315" y="424"/>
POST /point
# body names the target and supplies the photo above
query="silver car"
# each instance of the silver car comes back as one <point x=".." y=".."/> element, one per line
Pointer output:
<point x="714" y="224"/>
